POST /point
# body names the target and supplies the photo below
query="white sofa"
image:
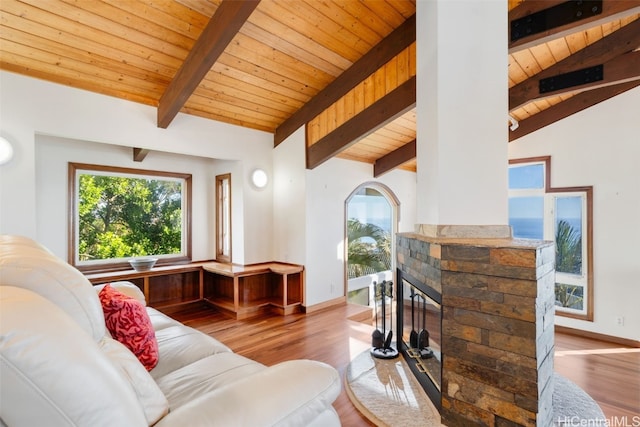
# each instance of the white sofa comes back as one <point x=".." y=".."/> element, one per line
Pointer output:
<point x="59" y="365"/>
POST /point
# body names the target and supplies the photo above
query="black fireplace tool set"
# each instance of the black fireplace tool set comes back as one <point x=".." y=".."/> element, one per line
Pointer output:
<point x="381" y="339"/>
<point x="419" y="341"/>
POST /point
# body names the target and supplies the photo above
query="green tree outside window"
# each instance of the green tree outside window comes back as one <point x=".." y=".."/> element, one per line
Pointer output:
<point x="121" y="217"/>
<point x="369" y="248"/>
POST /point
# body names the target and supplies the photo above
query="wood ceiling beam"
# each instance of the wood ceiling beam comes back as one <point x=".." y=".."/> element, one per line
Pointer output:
<point x="611" y="10"/>
<point x="225" y="23"/>
<point x="571" y="106"/>
<point x="395" y="158"/>
<point x="380" y="54"/>
<point x="139" y="154"/>
<point x="392" y="105"/>
<point x="604" y="51"/>
<point x="622" y="69"/>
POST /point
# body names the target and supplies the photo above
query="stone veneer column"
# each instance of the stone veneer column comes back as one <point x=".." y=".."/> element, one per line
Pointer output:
<point x="497" y="327"/>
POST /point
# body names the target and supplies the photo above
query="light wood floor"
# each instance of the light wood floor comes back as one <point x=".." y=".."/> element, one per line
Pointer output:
<point x="608" y="372"/>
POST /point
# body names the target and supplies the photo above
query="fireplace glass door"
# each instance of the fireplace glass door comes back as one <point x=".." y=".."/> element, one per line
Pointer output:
<point x="420" y="319"/>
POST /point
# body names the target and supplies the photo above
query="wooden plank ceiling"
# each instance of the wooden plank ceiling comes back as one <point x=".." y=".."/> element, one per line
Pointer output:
<point x="274" y="65"/>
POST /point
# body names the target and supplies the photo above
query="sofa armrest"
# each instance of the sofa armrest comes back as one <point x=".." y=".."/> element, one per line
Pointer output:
<point x="291" y="393"/>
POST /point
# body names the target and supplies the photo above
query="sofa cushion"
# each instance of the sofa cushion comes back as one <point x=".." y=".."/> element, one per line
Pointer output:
<point x="182" y="345"/>
<point x="289" y="394"/>
<point x="128" y="322"/>
<point x="151" y="398"/>
<point x="160" y="320"/>
<point x="27" y="264"/>
<point x="53" y="373"/>
<point x="202" y="376"/>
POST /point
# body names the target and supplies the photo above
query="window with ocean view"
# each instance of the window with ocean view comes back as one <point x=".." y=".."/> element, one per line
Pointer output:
<point x="526" y="217"/>
<point x="538" y="211"/>
<point x="371" y="222"/>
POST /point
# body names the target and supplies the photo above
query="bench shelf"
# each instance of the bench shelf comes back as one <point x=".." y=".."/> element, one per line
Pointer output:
<point x="246" y="291"/>
<point x="240" y="291"/>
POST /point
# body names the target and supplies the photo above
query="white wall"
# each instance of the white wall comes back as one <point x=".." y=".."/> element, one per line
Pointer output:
<point x="31" y="109"/>
<point x="298" y="217"/>
<point x="289" y="194"/>
<point x="600" y="146"/>
<point x="54" y="153"/>
<point x="327" y="189"/>
<point x="309" y="213"/>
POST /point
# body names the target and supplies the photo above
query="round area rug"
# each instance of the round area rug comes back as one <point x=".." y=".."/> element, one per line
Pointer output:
<point x="387" y="394"/>
<point x="572" y="406"/>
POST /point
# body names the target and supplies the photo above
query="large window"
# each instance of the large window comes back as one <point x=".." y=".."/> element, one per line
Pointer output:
<point x="563" y="215"/>
<point x="120" y="213"/>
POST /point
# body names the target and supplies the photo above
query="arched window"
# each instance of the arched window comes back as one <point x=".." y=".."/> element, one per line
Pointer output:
<point x="371" y="213"/>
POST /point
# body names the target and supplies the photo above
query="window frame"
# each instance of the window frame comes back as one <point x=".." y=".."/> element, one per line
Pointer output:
<point x="549" y="230"/>
<point x="119" y="264"/>
<point x="223" y="219"/>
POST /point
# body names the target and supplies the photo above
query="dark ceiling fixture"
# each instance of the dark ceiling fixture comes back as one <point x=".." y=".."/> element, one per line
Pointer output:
<point x="553" y="17"/>
<point x="571" y="79"/>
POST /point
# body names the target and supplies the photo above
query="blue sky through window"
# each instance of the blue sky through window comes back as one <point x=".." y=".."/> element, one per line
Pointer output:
<point x="527" y="176"/>
<point x="526" y="214"/>
<point x="569" y="208"/>
<point x="371" y="209"/>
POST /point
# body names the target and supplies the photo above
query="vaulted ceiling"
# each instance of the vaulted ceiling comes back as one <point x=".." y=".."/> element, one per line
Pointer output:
<point x="275" y="65"/>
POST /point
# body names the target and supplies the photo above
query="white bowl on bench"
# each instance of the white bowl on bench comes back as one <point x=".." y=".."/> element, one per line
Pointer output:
<point x="143" y="264"/>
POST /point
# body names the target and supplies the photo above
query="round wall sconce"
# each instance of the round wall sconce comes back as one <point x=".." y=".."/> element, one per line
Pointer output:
<point x="6" y="151"/>
<point x="259" y="178"/>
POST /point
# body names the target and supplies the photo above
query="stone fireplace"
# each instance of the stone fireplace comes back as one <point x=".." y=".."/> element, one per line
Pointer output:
<point x="495" y="342"/>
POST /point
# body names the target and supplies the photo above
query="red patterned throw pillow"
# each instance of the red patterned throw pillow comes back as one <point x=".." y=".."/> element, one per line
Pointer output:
<point x="128" y="322"/>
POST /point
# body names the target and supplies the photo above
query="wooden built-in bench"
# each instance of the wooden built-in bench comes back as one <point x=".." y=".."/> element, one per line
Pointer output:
<point x="241" y="291"/>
